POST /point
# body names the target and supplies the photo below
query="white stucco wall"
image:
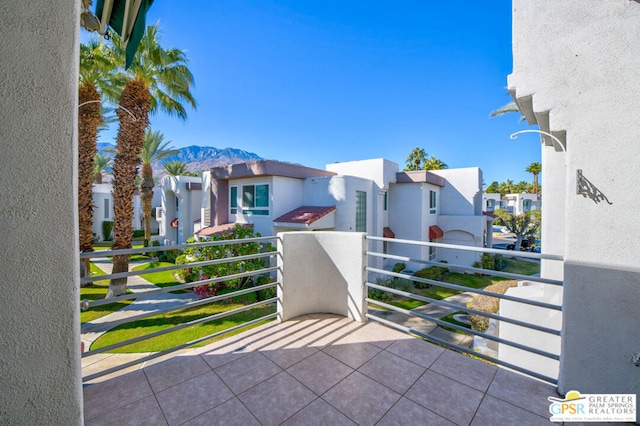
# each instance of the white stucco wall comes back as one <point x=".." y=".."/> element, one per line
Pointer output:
<point x="462" y="191"/>
<point x="321" y="272"/>
<point x="39" y="311"/>
<point x="573" y="72"/>
<point x="189" y="208"/>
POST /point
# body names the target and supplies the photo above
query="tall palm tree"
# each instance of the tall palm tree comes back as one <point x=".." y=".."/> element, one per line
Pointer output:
<point x="95" y="77"/>
<point x="416" y="158"/>
<point x="101" y="164"/>
<point x="176" y="168"/>
<point x="159" y="80"/>
<point x="434" y="163"/>
<point x="154" y="150"/>
<point x="534" y="168"/>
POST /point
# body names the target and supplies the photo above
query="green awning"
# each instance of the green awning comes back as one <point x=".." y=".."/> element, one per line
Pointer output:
<point x="127" y="18"/>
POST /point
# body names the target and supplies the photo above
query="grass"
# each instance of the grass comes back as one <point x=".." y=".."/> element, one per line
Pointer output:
<point x="161" y="279"/>
<point x="95" y="291"/>
<point x="449" y="318"/>
<point x="169" y="340"/>
<point x="517" y="266"/>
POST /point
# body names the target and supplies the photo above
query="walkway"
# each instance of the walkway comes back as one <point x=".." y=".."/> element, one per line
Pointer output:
<point x="140" y="305"/>
<point x="318" y="369"/>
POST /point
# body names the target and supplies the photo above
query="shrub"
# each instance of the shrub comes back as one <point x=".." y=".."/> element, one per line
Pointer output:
<point x="187" y="274"/>
<point x="433" y="273"/>
<point x="399" y="267"/>
<point x="499" y="263"/>
<point x="107" y="227"/>
<point x="155" y="243"/>
<point x="268" y="293"/>
<point x="138" y="233"/>
<point x="487" y="304"/>
<point x="391" y="282"/>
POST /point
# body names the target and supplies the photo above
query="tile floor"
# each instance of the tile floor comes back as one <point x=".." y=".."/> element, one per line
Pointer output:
<point x="318" y="370"/>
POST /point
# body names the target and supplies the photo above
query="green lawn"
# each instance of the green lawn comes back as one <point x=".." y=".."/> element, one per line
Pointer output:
<point x="169" y="340"/>
<point x="515" y="266"/>
<point x="449" y="318"/>
<point x="161" y="279"/>
<point x="97" y="290"/>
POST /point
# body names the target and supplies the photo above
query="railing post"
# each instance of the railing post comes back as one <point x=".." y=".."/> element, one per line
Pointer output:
<point x="322" y="272"/>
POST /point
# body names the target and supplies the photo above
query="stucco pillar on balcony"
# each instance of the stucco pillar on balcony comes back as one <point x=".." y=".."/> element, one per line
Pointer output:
<point x="40" y="378"/>
<point x="321" y="272"/>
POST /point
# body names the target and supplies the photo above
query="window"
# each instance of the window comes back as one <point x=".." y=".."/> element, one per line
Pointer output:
<point x="255" y="200"/>
<point x="432" y="202"/>
<point x="361" y="211"/>
<point x="106" y="208"/>
<point x="233" y="200"/>
<point x="491" y="204"/>
<point x="526" y="204"/>
<point x="385" y="201"/>
<point x="432" y="250"/>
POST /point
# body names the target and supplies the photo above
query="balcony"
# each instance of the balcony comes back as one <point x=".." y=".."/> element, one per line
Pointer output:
<point x="318" y="369"/>
<point x="322" y="360"/>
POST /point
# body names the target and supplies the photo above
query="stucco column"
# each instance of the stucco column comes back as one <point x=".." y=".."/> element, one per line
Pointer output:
<point x="40" y="377"/>
<point x="322" y="272"/>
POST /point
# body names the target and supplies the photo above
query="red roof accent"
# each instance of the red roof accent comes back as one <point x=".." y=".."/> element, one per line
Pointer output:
<point x="174" y="222"/>
<point x="305" y="215"/>
<point x="435" y="232"/>
<point x="388" y="233"/>
<point x="219" y="229"/>
<point x="489" y="214"/>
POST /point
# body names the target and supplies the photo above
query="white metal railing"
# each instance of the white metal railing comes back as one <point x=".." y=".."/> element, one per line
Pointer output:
<point x="373" y="271"/>
<point x="102" y="326"/>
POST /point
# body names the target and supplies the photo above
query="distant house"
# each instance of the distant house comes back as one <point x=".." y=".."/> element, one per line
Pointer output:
<point x="512" y="203"/>
<point x="370" y="196"/>
<point x="103" y="209"/>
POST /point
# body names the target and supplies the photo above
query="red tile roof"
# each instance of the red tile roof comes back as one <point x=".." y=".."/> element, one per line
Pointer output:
<point x="218" y="229"/>
<point x="489" y="214"/>
<point x="305" y="215"/>
<point x="388" y="233"/>
<point x="435" y="232"/>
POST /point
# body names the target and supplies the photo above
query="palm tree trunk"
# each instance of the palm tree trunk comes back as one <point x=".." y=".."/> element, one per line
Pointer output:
<point x="89" y="118"/>
<point x="147" y="197"/>
<point x="135" y="98"/>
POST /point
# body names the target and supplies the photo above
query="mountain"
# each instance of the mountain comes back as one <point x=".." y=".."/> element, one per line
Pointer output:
<point x="197" y="158"/>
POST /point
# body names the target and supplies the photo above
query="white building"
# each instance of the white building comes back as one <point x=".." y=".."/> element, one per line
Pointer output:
<point x="369" y="196"/>
<point x="511" y="203"/>
<point x="179" y="215"/>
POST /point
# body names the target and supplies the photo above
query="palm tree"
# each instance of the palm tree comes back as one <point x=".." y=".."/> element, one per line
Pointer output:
<point x="176" y="168"/>
<point x="154" y="150"/>
<point x="95" y="77"/>
<point x="101" y="164"/>
<point x="159" y="80"/>
<point x="434" y="163"/>
<point x="416" y="158"/>
<point x="534" y="168"/>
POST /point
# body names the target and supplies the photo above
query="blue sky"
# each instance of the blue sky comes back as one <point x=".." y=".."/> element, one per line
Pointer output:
<point x="315" y="82"/>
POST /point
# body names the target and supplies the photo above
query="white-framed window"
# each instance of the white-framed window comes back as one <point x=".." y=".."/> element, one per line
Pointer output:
<point x="255" y="199"/>
<point x="361" y="211"/>
<point x="107" y="214"/>
<point x="432" y="250"/>
<point x="432" y="202"/>
<point x="233" y="200"/>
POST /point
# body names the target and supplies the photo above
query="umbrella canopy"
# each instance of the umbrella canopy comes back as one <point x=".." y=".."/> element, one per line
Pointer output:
<point x="127" y="18"/>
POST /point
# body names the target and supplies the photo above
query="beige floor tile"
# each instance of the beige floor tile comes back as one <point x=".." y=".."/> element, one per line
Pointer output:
<point x="320" y="372"/>
<point x="319" y="413"/>
<point x="175" y="370"/>
<point x="327" y="331"/>
<point x="276" y="399"/>
<point x="522" y="391"/>
<point x="464" y="369"/>
<point x="407" y="412"/>
<point x="230" y="413"/>
<point x="248" y="371"/>
<point x="392" y="371"/>
<point x="363" y="400"/>
<point x="115" y="393"/>
<point x="444" y="396"/>
<point x="416" y="351"/>
<point x="145" y="411"/>
<point x="192" y="398"/>
<point x="493" y="411"/>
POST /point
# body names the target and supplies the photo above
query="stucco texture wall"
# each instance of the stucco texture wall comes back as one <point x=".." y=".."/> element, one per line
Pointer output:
<point x="576" y="63"/>
<point x="40" y="379"/>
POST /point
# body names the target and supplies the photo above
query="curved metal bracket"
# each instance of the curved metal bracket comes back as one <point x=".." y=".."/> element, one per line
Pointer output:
<point x="555" y="139"/>
<point x="118" y="105"/>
